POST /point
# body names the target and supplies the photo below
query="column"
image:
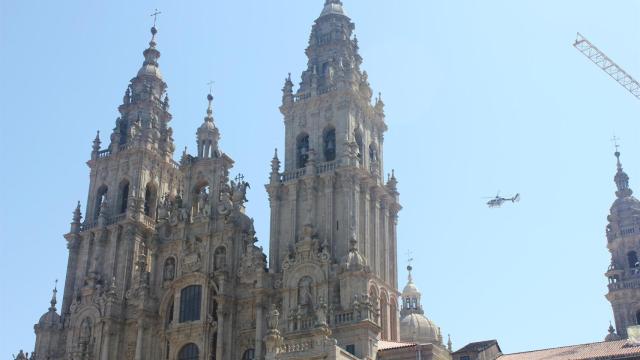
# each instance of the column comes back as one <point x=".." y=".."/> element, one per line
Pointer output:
<point x="106" y="335"/>
<point x="139" y="340"/>
<point x="220" y="341"/>
<point x="259" y="327"/>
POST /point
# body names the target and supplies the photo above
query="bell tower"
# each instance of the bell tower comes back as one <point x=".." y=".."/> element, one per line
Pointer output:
<point x="331" y="197"/>
<point x="623" y="237"/>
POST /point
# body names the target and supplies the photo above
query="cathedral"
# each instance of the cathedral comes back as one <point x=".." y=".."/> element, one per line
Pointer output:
<point x="163" y="261"/>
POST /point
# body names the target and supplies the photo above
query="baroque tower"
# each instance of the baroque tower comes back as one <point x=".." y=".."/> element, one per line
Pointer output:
<point x="165" y="263"/>
<point x="333" y="217"/>
<point x="623" y="242"/>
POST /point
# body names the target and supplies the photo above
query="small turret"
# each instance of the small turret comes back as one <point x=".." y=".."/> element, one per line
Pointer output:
<point x="96" y="146"/>
<point x="622" y="180"/>
<point x="612" y="336"/>
<point x="275" y="168"/>
<point x="77" y="220"/>
<point x="208" y="135"/>
<point x="287" y="92"/>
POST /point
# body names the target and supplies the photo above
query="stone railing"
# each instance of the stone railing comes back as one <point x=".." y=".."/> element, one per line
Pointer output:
<point x="343" y="318"/>
<point x="292" y="175"/>
<point x="328" y="166"/>
<point x="626" y="284"/>
<point x="297" y="346"/>
<point x="104" y="154"/>
<point x="320" y="169"/>
<point x="88" y="225"/>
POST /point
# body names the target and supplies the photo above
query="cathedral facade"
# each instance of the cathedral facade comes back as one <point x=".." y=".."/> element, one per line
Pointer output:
<point x="163" y="263"/>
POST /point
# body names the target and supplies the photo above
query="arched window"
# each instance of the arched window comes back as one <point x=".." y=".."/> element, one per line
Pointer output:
<point x="123" y="199"/>
<point x="150" y="196"/>
<point x="358" y="137"/>
<point x="190" y="301"/>
<point x="302" y="150"/>
<point x="250" y="354"/>
<point x="189" y="352"/>
<point x="329" y="142"/>
<point x="393" y="317"/>
<point x="169" y="315"/>
<point x="632" y="256"/>
<point x="384" y="318"/>
<point x="101" y="197"/>
<point x="220" y="258"/>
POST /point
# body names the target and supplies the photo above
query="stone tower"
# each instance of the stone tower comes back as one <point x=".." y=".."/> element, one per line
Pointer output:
<point x="333" y="217"/>
<point x="623" y="241"/>
<point x="164" y="266"/>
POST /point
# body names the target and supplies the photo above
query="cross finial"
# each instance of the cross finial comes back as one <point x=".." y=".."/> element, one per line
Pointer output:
<point x="210" y="84"/>
<point x="155" y="16"/>
<point x="615" y="142"/>
<point x="409" y="258"/>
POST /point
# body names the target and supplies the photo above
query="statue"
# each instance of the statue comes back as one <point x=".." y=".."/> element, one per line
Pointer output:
<point x="305" y="297"/>
<point x="273" y="318"/>
<point x="169" y="269"/>
<point x="85" y="329"/>
<point x="203" y="200"/>
<point x="321" y="313"/>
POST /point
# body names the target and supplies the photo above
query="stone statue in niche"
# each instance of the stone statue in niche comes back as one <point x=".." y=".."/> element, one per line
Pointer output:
<point x="85" y="329"/>
<point x="169" y="269"/>
<point x="220" y="259"/>
<point x="202" y="200"/>
<point x="192" y="260"/>
<point x="305" y="292"/>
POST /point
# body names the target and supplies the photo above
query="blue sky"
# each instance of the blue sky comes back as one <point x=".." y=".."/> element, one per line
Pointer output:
<point x="481" y="96"/>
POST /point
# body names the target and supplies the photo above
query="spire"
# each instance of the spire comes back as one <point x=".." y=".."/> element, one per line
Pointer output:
<point x="621" y="179"/>
<point x="275" y="167"/>
<point x="209" y="108"/>
<point x="54" y="301"/>
<point x="151" y="55"/>
<point x="77" y="220"/>
<point x="208" y="134"/>
<point x="449" y="343"/>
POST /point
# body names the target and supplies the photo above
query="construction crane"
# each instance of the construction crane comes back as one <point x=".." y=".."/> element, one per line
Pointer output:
<point x="599" y="58"/>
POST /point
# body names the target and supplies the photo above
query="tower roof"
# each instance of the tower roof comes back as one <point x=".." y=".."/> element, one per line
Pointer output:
<point x="150" y="65"/>
<point x="410" y="289"/>
<point x="333" y="7"/>
<point x="622" y="180"/>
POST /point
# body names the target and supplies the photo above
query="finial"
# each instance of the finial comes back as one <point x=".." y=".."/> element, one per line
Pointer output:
<point x="616" y="144"/>
<point x="155" y="17"/>
<point x="54" y="301"/>
<point x="77" y="214"/>
<point x="409" y="267"/>
<point x="449" y="343"/>
<point x="154" y="30"/>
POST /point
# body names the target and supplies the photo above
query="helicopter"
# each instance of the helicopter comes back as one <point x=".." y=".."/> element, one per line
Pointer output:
<point x="498" y="201"/>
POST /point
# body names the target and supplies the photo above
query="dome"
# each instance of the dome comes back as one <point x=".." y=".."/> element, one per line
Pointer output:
<point x="207" y="126"/>
<point x="150" y="70"/>
<point x="410" y="289"/>
<point x="417" y="328"/>
<point x="612" y="336"/>
<point x="50" y="318"/>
